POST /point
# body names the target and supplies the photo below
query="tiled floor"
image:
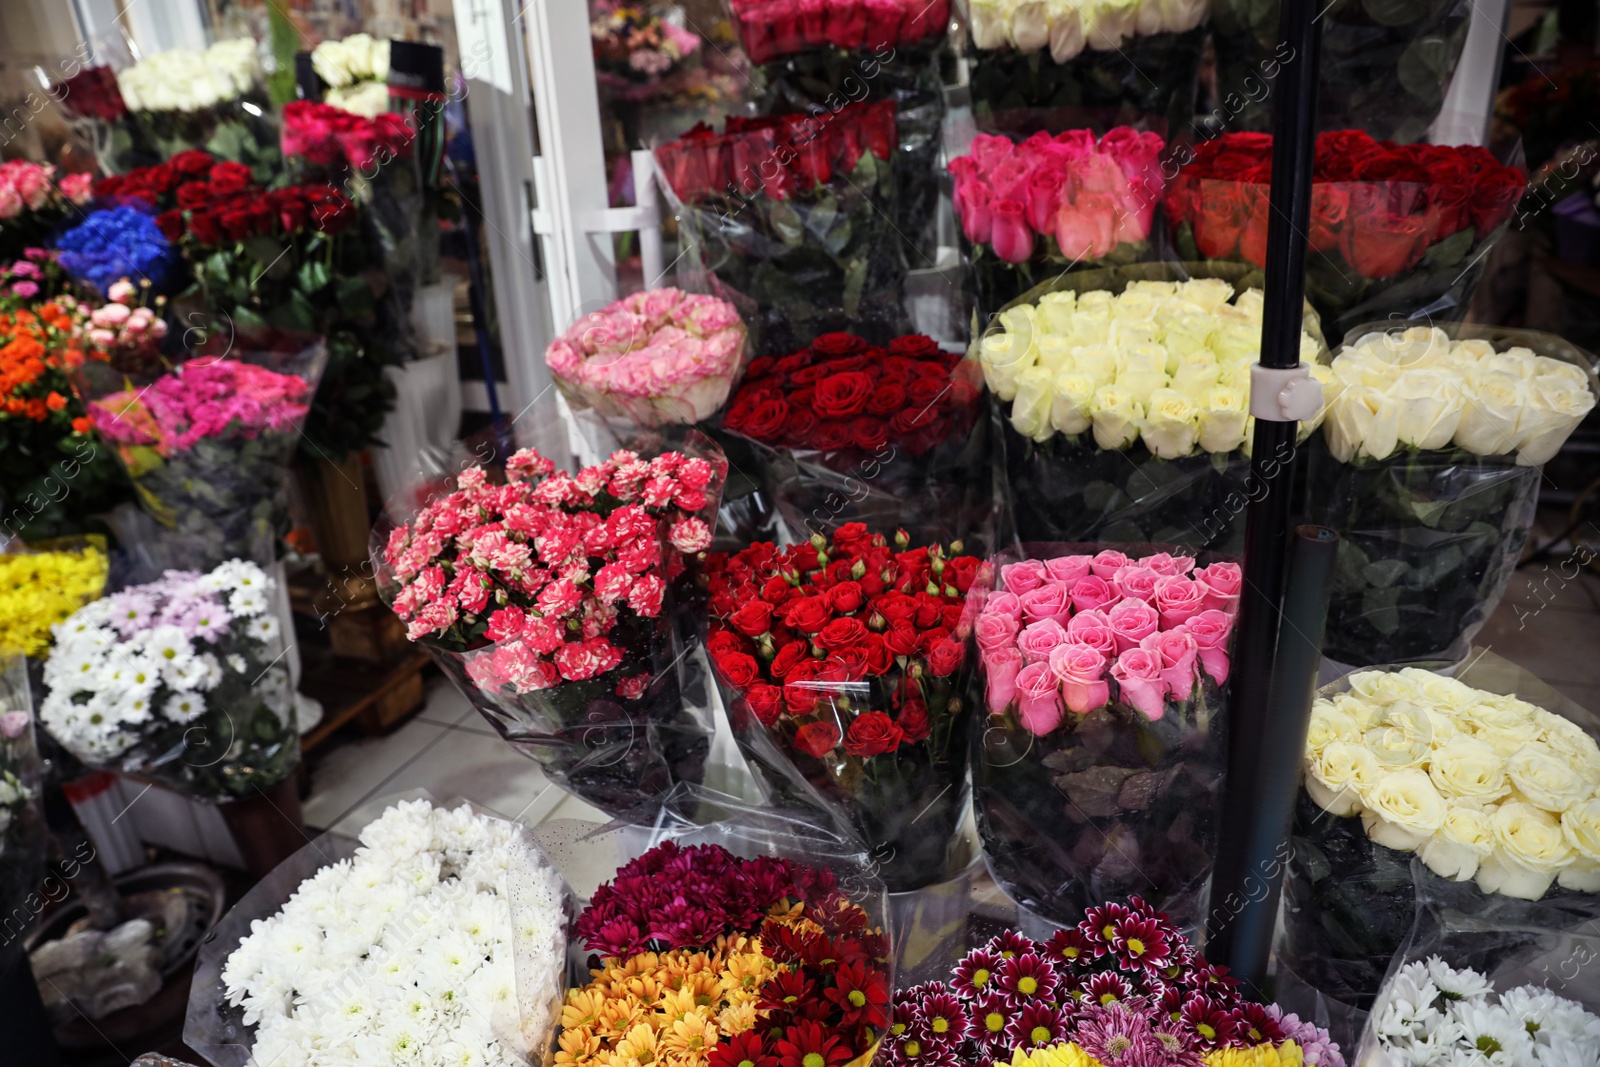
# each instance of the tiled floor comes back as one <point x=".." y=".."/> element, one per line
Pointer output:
<point x="1546" y="622"/>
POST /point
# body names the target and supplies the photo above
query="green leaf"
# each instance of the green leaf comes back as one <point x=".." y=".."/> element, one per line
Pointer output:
<point x="1384" y="572"/>
<point x="1452" y="250"/>
<point x="786" y="221"/>
<point x="354" y="297"/>
<point x="1395" y="12"/>
<point x="267" y="252"/>
<point x="1380" y="608"/>
<point x="231" y="141"/>
<point x="295" y="313"/>
<point x="313" y="275"/>
<point x="855" y="280"/>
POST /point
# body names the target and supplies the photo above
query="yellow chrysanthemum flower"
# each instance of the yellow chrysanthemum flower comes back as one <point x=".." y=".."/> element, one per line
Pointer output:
<point x="1287" y="1054"/>
<point x="737" y="1018"/>
<point x="582" y="1008"/>
<point x="577" y="1045"/>
<point x="1063" y="1055"/>
<point x="690" y="1036"/>
<point x="638" y="1049"/>
<point x="40" y="589"/>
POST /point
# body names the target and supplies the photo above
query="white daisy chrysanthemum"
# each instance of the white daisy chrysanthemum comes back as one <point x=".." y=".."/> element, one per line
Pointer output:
<point x="1458" y="985"/>
<point x="184" y="707"/>
<point x="1493" y="1034"/>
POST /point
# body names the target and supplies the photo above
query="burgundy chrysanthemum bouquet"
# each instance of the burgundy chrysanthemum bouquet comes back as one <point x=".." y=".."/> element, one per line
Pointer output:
<point x="845" y="668"/>
<point x="1123" y="988"/>
<point x="1101" y="761"/>
<point x="546" y="598"/>
<point x="708" y="959"/>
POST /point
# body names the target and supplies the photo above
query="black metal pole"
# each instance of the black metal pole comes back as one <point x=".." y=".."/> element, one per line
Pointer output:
<point x="1267" y="535"/>
<point x="1263" y="817"/>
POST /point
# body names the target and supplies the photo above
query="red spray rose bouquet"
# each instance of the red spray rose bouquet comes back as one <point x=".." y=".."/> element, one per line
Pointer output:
<point x="792" y="215"/>
<point x="1102" y="756"/>
<point x="772" y="29"/>
<point x="326" y="136"/>
<point x="844" y="665"/>
<point x="546" y="600"/>
<point x="853" y="429"/>
<point x="1394" y="228"/>
<point x="1034" y="210"/>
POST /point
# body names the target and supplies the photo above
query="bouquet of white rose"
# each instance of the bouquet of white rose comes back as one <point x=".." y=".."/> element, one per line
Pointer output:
<point x="211" y="98"/>
<point x="1058" y="64"/>
<point x="1128" y="404"/>
<point x="1494" y="795"/>
<point x="356" y="70"/>
<point x="180" y="680"/>
<point x="1427" y="468"/>
<point x="440" y="939"/>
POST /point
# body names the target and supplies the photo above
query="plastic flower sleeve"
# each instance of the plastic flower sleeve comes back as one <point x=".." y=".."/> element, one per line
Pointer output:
<point x="589" y="688"/>
<point x="844" y="666"/>
<point x="778" y="29"/>
<point x="793" y="216"/>
<point x="1078" y="458"/>
<point x="1056" y="67"/>
<point x="500" y="905"/>
<point x="1460" y="977"/>
<point x="1350" y="902"/>
<point x="1385" y="68"/>
<point x="1429" y="537"/>
<point x="1097" y="768"/>
<point x="207" y="439"/>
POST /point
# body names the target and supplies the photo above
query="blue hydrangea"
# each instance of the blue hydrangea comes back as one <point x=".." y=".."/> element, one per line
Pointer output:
<point x="119" y="242"/>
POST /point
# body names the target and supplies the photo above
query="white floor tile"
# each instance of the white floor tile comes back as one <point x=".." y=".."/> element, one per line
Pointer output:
<point x="476" y="767"/>
<point x="447" y="707"/>
<point x="342" y="776"/>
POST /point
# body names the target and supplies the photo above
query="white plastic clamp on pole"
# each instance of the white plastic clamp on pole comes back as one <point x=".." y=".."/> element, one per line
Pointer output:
<point x="1284" y="394"/>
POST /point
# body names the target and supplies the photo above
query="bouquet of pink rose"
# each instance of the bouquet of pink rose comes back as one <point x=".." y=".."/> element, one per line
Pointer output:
<point x="655" y="358"/>
<point x="546" y="600"/>
<point x="33" y="203"/>
<point x="1099" y="770"/>
<point x="1034" y="210"/>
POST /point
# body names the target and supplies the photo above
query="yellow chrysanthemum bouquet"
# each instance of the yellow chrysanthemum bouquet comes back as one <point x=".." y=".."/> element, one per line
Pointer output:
<point x="41" y="587"/>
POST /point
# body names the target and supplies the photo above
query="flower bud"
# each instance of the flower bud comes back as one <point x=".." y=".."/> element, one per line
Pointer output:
<point x="877" y="623"/>
<point x="819" y="543"/>
<point x="954" y="706"/>
<point x="902" y="540"/>
<point x="916" y="672"/>
<point x="764" y="647"/>
<point x="956" y="547"/>
<point x="858" y="569"/>
<point x="932" y="590"/>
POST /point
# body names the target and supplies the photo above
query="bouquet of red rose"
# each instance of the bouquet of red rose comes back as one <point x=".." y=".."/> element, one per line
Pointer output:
<point x="771" y="29"/>
<point x="1037" y="209"/>
<point x="844" y="665"/>
<point x="1100" y="765"/>
<point x="792" y="215"/>
<point x="545" y="600"/>
<point x="855" y="430"/>
<point x="1395" y="229"/>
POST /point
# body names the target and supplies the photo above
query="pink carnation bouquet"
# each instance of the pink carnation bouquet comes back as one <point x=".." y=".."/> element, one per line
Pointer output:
<point x="546" y="598"/>
<point x="207" y="441"/>
<point x="1033" y="210"/>
<point x="1103" y="678"/>
<point x="655" y="358"/>
<point x="33" y="200"/>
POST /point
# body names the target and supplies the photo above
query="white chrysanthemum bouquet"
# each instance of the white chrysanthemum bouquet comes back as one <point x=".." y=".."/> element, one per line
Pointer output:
<point x="1433" y="1015"/>
<point x="441" y="941"/>
<point x="178" y="679"/>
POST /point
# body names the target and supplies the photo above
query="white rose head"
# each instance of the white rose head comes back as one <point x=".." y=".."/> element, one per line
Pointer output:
<point x="1116" y="418"/>
<point x="1190" y="333"/>
<point x="1491" y="408"/>
<point x="1196" y="372"/>
<point x="1055" y="352"/>
<point x="1030" y="25"/>
<point x="1098" y="361"/>
<point x="991" y="22"/>
<point x="1206" y="293"/>
<point x="1402" y="810"/>
<point x="1572" y="743"/>
<point x="1329" y="724"/>
<point x="1580" y="826"/>
<point x="1461" y="843"/>
<point x="1054" y="312"/>
<point x="1469" y="769"/>
<point x="1339" y="775"/>
<point x="1224" y="418"/>
<point x="1545" y="780"/>
<point x="1073" y="401"/>
<point x="1066" y="30"/>
<point x="1430" y="406"/>
<point x="1530" y="850"/>
<point x="1363" y="421"/>
<point x="1004" y="358"/>
<point x="1030" y="410"/>
<point x="1558" y="405"/>
<point x="1171" y="424"/>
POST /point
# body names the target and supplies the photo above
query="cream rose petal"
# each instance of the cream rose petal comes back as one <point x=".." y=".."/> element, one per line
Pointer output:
<point x="1337" y="777"/>
<point x="1530" y="850"/>
<point x="1402" y="810"/>
<point x="1461" y="843"/>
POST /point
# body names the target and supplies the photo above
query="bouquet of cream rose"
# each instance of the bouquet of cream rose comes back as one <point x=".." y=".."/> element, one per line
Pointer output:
<point x="660" y="357"/>
<point x="356" y="72"/>
<point x="546" y="600"/>
<point x="1427" y="467"/>
<point x="211" y="98"/>
<point x="1493" y="795"/>
<point x="1098" y="772"/>
<point x="1035" y="210"/>
<point x="1058" y="64"/>
<point x="1126" y="413"/>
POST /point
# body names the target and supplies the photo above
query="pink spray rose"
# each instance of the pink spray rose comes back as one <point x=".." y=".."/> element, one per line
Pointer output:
<point x="1038" y="699"/>
<point x="1138" y="675"/>
<point x="1081" y="671"/>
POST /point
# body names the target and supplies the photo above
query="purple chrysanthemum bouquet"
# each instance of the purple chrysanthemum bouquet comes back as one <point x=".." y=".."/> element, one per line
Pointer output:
<point x="1121" y="989"/>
